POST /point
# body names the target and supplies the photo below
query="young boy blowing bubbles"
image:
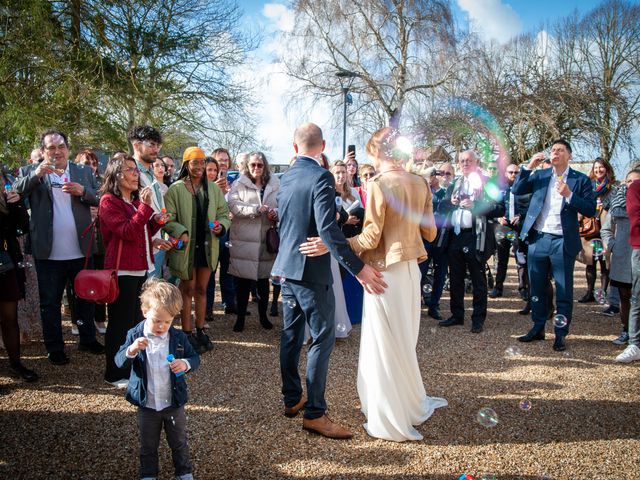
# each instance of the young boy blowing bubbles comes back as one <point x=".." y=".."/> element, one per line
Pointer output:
<point x="157" y="385"/>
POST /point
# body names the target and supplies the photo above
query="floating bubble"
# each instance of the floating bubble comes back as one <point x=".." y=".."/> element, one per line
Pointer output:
<point x="427" y="288"/>
<point x="513" y="351"/>
<point x="228" y="244"/>
<point x="465" y="249"/>
<point x="487" y="417"/>
<point x="433" y="329"/>
<point x="19" y="232"/>
<point x="534" y="299"/>
<point x="560" y="321"/>
<point x="511" y="235"/>
<point x="206" y="243"/>
<point x="499" y="235"/>
<point x="493" y="191"/>
<point x="338" y="203"/>
<point x="341" y="328"/>
<point x="277" y="279"/>
<point x="25" y="264"/>
<point x="601" y="296"/>
<point x="79" y="322"/>
<point x="598" y="248"/>
<point x="291" y="303"/>
<point x="525" y="404"/>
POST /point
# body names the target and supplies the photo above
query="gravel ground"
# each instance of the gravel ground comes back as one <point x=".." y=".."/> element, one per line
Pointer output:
<point x="582" y="422"/>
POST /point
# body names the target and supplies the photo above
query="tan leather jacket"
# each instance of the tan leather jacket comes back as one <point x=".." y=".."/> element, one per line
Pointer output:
<point x="399" y="214"/>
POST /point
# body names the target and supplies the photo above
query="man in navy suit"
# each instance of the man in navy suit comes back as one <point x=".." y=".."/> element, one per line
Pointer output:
<point x="551" y="229"/>
<point x="306" y="207"/>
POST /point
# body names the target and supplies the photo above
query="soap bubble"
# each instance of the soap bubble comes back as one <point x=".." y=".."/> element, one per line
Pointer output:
<point x="465" y="249"/>
<point x="291" y="303"/>
<point x="338" y="203"/>
<point x="525" y="404"/>
<point x="433" y="329"/>
<point x="25" y="264"/>
<point x="427" y="288"/>
<point x="513" y="351"/>
<point x="278" y="279"/>
<point x="511" y="235"/>
<point x="487" y="417"/>
<point x="598" y="248"/>
<point x="499" y="235"/>
<point x="341" y="328"/>
<point x="601" y="296"/>
<point x="79" y="322"/>
<point x="228" y="244"/>
<point x="560" y="321"/>
<point x="534" y="299"/>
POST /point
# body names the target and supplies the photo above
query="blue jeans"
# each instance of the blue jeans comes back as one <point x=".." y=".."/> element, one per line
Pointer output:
<point x="52" y="279"/>
<point x="613" y="296"/>
<point x="546" y="255"/>
<point x="315" y="305"/>
<point x="159" y="258"/>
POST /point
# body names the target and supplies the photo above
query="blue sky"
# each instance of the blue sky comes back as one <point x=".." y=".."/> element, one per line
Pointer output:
<point x="493" y="19"/>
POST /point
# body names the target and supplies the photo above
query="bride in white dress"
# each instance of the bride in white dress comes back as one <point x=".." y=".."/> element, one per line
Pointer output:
<point x="399" y="212"/>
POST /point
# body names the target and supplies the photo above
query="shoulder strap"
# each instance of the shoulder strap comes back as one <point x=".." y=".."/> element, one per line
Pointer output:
<point x="91" y="229"/>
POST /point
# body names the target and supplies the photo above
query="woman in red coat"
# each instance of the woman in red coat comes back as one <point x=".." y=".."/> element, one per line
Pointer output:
<point x="127" y="223"/>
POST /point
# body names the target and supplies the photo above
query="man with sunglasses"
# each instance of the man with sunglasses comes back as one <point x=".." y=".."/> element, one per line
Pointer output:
<point x="147" y="142"/>
<point x="60" y="194"/>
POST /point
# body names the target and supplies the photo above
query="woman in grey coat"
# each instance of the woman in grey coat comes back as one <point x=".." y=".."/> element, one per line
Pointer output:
<point x="615" y="236"/>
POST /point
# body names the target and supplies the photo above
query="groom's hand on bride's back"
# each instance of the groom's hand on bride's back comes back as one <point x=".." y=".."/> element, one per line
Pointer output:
<point x="371" y="280"/>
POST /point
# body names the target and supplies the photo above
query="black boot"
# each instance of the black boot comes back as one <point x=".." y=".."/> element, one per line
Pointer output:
<point x="266" y="324"/>
<point x="239" y="325"/>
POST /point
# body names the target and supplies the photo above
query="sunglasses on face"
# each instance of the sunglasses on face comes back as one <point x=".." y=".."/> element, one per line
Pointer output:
<point x="256" y="165"/>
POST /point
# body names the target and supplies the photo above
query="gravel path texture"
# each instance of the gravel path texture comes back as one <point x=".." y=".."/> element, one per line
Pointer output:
<point x="564" y="415"/>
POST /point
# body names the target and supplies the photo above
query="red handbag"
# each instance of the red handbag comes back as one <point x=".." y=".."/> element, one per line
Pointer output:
<point x="99" y="286"/>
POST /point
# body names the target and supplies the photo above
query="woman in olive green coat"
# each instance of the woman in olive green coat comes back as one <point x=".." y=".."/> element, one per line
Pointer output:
<point x="198" y="215"/>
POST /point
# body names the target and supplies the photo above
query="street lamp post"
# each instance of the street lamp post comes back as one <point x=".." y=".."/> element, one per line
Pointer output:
<point x="346" y="79"/>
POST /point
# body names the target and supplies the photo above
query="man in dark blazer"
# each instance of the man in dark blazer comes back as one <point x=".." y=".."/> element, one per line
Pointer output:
<point x="468" y="239"/>
<point x="60" y="193"/>
<point x="306" y="207"/>
<point x="551" y="229"/>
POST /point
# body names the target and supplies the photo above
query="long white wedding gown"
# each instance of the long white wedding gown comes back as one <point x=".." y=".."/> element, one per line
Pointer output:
<point x="390" y="385"/>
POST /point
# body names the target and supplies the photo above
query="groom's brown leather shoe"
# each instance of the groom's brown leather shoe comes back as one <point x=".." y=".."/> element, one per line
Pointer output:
<point x="325" y="427"/>
<point x="293" y="411"/>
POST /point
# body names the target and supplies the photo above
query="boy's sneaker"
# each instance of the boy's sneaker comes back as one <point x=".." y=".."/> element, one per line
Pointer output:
<point x="611" y="311"/>
<point x="197" y="346"/>
<point x="622" y="339"/>
<point x="203" y="338"/>
<point x="631" y="353"/>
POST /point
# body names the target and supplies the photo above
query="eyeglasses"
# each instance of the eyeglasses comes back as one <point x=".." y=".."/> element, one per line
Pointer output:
<point x="152" y="144"/>
<point x="467" y="160"/>
<point x="256" y="165"/>
<point x="368" y="175"/>
<point x="512" y="172"/>
<point x="447" y="174"/>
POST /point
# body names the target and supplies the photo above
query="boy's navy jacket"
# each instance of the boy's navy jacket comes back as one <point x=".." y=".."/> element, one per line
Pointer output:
<point x="179" y="346"/>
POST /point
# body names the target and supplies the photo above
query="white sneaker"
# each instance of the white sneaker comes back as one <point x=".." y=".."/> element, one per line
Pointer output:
<point x="631" y="353"/>
<point x="74" y="329"/>
<point x="100" y="327"/>
<point x="120" y="384"/>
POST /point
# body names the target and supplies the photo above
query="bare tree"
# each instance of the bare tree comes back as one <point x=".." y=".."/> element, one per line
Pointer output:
<point x="398" y="51"/>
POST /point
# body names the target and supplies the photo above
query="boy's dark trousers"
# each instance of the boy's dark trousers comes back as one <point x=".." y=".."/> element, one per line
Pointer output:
<point x="150" y="423"/>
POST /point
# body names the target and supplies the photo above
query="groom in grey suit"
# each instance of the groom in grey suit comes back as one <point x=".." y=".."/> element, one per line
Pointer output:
<point x="306" y="207"/>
